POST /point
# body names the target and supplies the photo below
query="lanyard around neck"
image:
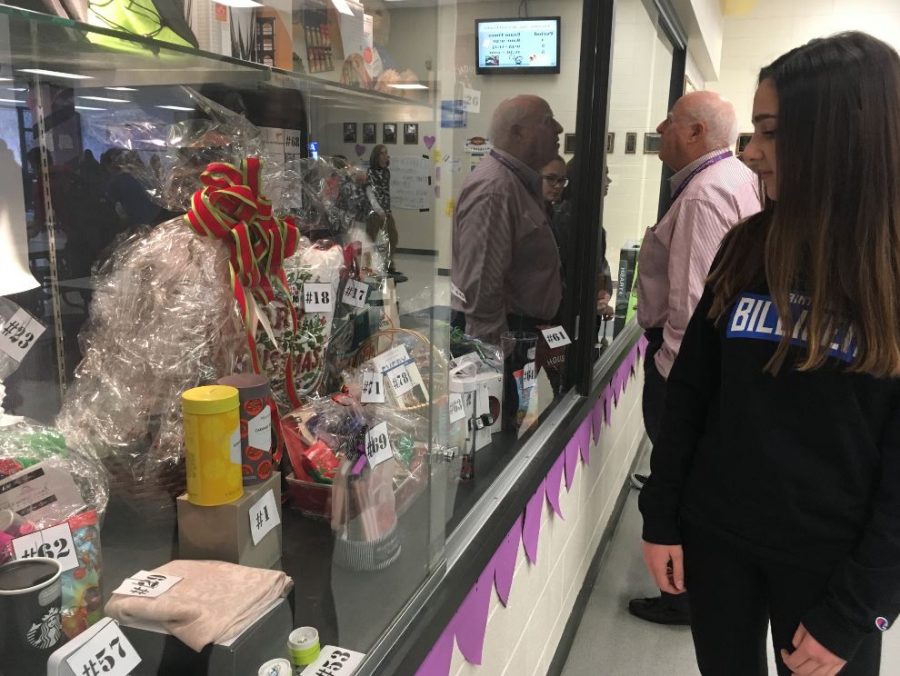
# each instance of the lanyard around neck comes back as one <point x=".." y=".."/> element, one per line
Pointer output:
<point x="706" y="164"/>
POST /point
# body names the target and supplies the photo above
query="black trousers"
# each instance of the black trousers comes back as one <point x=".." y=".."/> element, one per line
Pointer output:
<point x="734" y="596"/>
<point x="653" y="400"/>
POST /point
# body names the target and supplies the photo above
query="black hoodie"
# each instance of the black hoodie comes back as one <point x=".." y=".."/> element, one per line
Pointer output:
<point x="802" y="467"/>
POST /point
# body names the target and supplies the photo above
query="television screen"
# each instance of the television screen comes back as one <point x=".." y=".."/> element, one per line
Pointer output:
<point x="528" y="45"/>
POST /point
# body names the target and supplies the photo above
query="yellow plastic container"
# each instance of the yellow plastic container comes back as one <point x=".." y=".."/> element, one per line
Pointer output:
<point x="212" y="439"/>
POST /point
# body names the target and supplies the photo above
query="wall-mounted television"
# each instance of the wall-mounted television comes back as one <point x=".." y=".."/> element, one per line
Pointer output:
<point x="517" y="45"/>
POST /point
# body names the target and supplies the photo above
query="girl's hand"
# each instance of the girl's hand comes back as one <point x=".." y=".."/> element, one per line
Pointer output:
<point x="666" y="566"/>
<point x="811" y="658"/>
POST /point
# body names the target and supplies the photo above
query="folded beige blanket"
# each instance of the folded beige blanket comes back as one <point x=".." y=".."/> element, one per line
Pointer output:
<point x="214" y="602"/>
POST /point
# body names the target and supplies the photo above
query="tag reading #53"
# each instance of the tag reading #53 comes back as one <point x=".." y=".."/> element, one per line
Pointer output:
<point x="52" y="543"/>
<point x="318" y="298"/>
<point x="378" y="445"/>
<point x="263" y="517"/>
<point x="108" y="653"/>
<point x="556" y="336"/>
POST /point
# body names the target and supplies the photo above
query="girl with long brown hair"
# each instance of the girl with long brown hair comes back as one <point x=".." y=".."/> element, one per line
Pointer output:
<point x="775" y="487"/>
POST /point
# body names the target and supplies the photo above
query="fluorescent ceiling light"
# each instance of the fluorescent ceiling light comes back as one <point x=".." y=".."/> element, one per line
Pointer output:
<point x="16" y="101"/>
<point x="121" y="89"/>
<point x="18" y="89"/>
<point x="408" y="85"/>
<point x="55" y="73"/>
<point x="88" y="108"/>
<point x="240" y="3"/>
<point x="190" y="110"/>
<point x="6" y="79"/>
<point x="342" y="7"/>
<point x="104" y="99"/>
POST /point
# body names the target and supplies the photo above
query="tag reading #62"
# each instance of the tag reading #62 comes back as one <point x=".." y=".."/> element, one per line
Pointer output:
<point x="52" y="543"/>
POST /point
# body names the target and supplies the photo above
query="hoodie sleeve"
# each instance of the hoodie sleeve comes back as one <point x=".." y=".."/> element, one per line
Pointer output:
<point x="863" y="593"/>
<point x="692" y="383"/>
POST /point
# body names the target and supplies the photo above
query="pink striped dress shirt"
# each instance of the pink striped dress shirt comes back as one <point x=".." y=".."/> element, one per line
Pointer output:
<point x="677" y="252"/>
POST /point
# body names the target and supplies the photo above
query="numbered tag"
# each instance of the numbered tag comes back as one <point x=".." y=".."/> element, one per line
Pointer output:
<point x="373" y="388"/>
<point x="556" y="336"/>
<point x="355" y="293"/>
<point x="147" y="584"/>
<point x="400" y="379"/>
<point x="259" y="430"/>
<point x="457" y="408"/>
<point x="52" y="543"/>
<point x="528" y="377"/>
<point x="263" y="517"/>
<point x="471" y="100"/>
<point x="19" y="333"/>
<point x="378" y="445"/>
<point x="334" y="661"/>
<point x="318" y="298"/>
<point x="108" y="653"/>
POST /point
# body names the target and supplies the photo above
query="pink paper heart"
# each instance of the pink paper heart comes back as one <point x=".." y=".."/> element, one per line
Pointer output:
<point x="360" y="150"/>
<point x="429" y="141"/>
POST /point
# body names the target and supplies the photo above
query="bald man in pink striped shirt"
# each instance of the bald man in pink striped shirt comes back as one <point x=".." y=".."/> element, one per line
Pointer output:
<point x="711" y="191"/>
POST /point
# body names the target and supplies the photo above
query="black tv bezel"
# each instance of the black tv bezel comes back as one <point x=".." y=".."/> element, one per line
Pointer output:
<point x="519" y="70"/>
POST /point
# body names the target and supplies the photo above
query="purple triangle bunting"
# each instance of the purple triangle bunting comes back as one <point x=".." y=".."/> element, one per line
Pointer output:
<point x="438" y="661"/>
<point x="554" y="478"/>
<point x="505" y="561"/>
<point x="531" y="527"/>
<point x="471" y="618"/>
<point x="571" y="454"/>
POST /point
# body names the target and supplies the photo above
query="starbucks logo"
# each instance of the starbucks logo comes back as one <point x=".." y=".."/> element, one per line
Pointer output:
<point x="46" y="633"/>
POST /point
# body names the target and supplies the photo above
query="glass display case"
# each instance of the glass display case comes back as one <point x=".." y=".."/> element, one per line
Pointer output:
<point x="234" y="372"/>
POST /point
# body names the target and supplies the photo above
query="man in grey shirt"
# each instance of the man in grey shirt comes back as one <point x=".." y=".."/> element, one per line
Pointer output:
<point x="505" y="266"/>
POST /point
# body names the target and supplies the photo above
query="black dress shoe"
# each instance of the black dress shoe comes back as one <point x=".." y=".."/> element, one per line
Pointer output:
<point x="664" y="609"/>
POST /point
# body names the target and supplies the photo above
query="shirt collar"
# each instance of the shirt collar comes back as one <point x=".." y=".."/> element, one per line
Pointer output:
<point x="680" y="175"/>
<point x="526" y="174"/>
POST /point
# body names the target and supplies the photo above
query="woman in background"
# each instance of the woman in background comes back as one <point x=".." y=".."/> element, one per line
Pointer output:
<point x="378" y="190"/>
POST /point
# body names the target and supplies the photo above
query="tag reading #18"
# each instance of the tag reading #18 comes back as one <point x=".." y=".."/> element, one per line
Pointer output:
<point x="318" y="298"/>
<point x="556" y="336"/>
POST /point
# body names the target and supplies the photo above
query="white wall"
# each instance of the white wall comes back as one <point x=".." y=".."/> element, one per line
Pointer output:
<point x="758" y="31"/>
<point x="521" y="639"/>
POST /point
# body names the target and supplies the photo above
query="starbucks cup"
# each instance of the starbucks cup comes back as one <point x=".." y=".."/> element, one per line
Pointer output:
<point x="30" y="605"/>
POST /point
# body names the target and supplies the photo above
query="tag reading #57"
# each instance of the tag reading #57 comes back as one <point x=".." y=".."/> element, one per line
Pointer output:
<point x="318" y="298"/>
<point x="263" y="517"/>
<point x="556" y="336"/>
<point x="52" y="543"/>
<point x="108" y="653"/>
<point x="378" y="445"/>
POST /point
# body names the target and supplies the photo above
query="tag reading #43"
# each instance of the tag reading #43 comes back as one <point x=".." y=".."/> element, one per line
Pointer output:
<point x="52" y="543"/>
<point x="263" y="517"/>
<point x="147" y="584"/>
<point x="318" y="298"/>
<point x="107" y="653"/>
<point x="556" y="336"/>
<point x="378" y="445"/>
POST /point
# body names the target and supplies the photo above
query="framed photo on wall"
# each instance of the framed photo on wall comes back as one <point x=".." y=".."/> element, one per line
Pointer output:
<point x="743" y="140"/>
<point x="569" y="144"/>
<point x="411" y="133"/>
<point x="349" y="132"/>
<point x="610" y="142"/>
<point x="631" y="143"/>
<point x="389" y="132"/>
<point x="652" y="142"/>
<point x="369" y="133"/>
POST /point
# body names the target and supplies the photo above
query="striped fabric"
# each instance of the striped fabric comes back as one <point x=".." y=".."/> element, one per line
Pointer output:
<point x="677" y="252"/>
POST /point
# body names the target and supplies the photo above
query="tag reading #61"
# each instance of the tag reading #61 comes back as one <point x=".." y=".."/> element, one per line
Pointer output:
<point x="556" y="336"/>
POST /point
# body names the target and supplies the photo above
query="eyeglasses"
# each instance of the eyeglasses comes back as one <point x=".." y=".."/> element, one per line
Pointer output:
<point x="553" y="179"/>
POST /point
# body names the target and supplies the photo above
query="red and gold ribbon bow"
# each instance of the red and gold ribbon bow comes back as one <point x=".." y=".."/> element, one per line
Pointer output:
<point x="232" y="208"/>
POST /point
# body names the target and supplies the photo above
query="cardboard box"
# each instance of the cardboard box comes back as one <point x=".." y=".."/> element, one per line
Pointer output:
<point x="482" y="395"/>
<point x="223" y="532"/>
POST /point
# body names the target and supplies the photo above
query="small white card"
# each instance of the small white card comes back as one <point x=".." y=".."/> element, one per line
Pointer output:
<point x="236" y="446"/>
<point x="334" y="661"/>
<point x="52" y="543"/>
<point x="399" y="378"/>
<point x="259" y="432"/>
<point x="355" y="293"/>
<point x="373" y="388"/>
<point x="556" y="336"/>
<point x="378" y="445"/>
<point x="19" y="333"/>
<point x="457" y="408"/>
<point x="147" y="584"/>
<point x="318" y="298"/>
<point x="107" y="653"/>
<point x="263" y="517"/>
<point x="528" y="377"/>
